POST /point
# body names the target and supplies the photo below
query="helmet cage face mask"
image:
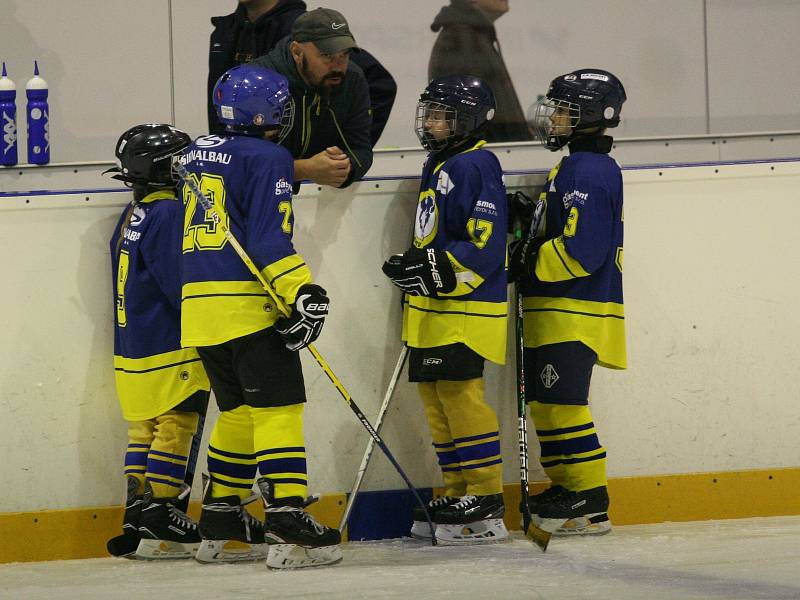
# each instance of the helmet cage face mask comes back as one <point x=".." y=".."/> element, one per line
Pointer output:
<point x="554" y="122"/>
<point x="435" y="116"/>
<point x="286" y="121"/>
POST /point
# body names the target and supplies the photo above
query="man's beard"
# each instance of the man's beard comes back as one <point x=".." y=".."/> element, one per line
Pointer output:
<point x="327" y="91"/>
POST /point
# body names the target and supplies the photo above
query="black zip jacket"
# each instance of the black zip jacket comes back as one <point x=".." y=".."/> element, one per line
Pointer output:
<point x="235" y="40"/>
<point x="343" y="120"/>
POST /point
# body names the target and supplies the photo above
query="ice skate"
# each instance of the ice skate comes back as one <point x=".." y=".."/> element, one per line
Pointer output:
<point x="574" y="513"/>
<point x="125" y="545"/>
<point x="229" y="532"/>
<point x="296" y="539"/>
<point x="166" y="531"/>
<point x="420" y="528"/>
<point x="472" y="520"/>
<point x="536" y="500"/>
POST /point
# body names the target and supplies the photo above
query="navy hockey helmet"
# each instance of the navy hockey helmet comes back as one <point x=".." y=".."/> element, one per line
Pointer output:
<point x="462" y="104"/>
<point x="144" y="153"/>
<point x="576" y="102"/>
<point x="253" y="99"/>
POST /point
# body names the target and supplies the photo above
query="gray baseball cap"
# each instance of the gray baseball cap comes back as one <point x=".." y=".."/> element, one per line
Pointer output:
<point x="327" y="28"/>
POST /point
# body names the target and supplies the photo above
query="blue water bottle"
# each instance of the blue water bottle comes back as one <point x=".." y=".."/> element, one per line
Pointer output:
<point x="38" y="119"/>
<point x="8" y="120"/>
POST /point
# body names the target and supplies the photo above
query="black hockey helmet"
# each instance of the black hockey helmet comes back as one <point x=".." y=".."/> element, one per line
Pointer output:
<point x="576" y="102"/>
<point x="144" y="153"/>
<point x="466" y="102"/>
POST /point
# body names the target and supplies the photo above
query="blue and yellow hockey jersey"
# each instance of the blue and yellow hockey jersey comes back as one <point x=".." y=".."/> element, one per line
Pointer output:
<point x="577" y="293"/>
<point x="249" y="181"/>
<point x="462" y="210"/>
<point x="153" y="373"/>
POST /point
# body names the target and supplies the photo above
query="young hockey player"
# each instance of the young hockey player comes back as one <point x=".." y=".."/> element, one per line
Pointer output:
<point x="570" y="269"/>
<point x="162" y="388"/>
<point x="247" y="347"/>
<point x="454" y="315"/>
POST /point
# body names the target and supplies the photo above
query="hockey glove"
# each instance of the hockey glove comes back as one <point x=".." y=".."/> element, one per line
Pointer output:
<point x="308" y="316"/>
<point x="421" y="272"/>
<point x="522" y="258"/>
<point x="520" y="211"/>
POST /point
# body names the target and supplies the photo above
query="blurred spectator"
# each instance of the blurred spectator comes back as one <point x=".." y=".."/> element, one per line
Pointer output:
<point x="467" y="44"/>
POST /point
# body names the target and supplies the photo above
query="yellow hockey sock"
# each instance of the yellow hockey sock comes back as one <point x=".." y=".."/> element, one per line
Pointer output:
<point x="280" y="449"/>
<point x="571" y="452"/>
<point x="449" y="463"/>
<point x="473" y="425"/>
<point x="231" y="458"/>
<point x="140" y="437"/>
<point x="169" y="452"/>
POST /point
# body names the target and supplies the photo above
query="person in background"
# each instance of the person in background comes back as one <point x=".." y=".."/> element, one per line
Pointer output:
<point x="570" y="271"/>
<point x="163" y="389"/>
<point x="256" y="27"/>
<point x="454" y="312"/>
<point x="467" y="42"/>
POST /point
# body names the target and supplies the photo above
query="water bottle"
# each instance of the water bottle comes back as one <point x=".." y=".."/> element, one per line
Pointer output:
<point x="38" y="119"/>
<point x="8" y="120"/>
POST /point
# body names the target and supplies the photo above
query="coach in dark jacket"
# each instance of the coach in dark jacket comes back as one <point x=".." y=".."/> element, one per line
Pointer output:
<point x="467" y="44"/>
<point x="329" y="139"/>
<point x="256" y="27"/>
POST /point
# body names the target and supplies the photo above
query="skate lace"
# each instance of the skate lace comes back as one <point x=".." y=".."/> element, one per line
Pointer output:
<point x="439" y="502"/>
<point x="301" y="515"/>
<point x="465" y="502"/>
<point x="181" y="518"/>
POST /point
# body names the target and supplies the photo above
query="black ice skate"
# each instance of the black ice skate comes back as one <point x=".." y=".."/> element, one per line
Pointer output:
<point x="296" y="539"/>
<point x="166" y="531"/>
<point x="472" y="520"/>
<point x="420" y="529"/>
<point x="229" y="532"/>
<point x="573" y="513"/>
<point x="126" y="544"/>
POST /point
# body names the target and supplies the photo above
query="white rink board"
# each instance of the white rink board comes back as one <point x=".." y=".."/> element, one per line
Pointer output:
<point x="710" y="291"/>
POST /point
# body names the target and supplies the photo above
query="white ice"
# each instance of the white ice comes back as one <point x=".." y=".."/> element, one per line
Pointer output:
<point x="743" y="559"/>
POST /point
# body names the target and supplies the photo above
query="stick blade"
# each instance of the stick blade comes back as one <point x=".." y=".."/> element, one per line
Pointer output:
<point x="541" y="532"/>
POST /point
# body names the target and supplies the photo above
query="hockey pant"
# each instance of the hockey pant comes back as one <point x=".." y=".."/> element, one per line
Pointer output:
<point x="465" y="436"/>
<point x="158" y="450"/>
<point x="269" y="440"/>
<point x="572" y="455"/>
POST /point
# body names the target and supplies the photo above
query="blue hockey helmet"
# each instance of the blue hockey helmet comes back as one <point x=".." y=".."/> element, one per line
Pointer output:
<point x="253" y="99"/>
<point x="576" y="102"/>
<point x="465" y="102"/>
<point x="144" y="153"/>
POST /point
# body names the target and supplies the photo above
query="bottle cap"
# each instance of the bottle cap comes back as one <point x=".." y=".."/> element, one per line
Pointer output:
<point x="36" y="82"/>
<point x="6" y="85"/>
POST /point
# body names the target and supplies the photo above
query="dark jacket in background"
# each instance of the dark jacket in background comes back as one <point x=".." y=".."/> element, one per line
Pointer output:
<point x="235" y="41"/>
<point x="342" y="121"/>
<point x="467" y="45"/>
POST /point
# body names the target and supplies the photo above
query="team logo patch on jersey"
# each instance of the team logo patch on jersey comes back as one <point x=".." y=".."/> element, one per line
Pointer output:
<point x="138" y="216"/>
<point x="425" y="226"/>
<point x="282" y="187"/>
<point x="549" y="376"/>
<point x="444" y="184"/>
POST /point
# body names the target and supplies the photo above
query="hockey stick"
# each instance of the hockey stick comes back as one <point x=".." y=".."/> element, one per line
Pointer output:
<point x="211" y="211"/>
<point x="522" y="421"/>
<point x="371" y="443"/>
<point x="125" y="545"/>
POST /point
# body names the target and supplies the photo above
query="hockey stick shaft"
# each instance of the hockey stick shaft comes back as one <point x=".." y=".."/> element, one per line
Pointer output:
<point x="362" y="469"/>
<point x="522" y="422"/>
<point x="212" y="212"/>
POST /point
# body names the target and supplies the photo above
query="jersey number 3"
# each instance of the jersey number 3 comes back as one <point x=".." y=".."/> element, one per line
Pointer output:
<point x="204" y="234"/>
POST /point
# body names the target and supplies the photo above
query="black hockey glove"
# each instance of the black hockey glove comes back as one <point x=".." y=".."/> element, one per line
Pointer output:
<point x="308" y="316"/>
<point x="520" y="211"/>
<point x="522" y="258"/>
<point x="421" y="272"/>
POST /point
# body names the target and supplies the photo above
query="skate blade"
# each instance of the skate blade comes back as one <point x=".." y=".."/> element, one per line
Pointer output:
<point x="582" y="526"/>
<point x="164" y="550"/>
<point x="229" y="551"/>
<point x="420" y="530"/>
<point x="123" y="546"/>
<point x="487" y="531"/>
<point x="292" y="556"/>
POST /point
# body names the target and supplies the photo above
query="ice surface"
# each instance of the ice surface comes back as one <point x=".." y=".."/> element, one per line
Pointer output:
<point x="743" y="559"/>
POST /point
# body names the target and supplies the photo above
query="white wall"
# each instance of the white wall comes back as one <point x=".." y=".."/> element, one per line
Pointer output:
<point x="710" y="292"/>
<point x="108" y="62"/>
